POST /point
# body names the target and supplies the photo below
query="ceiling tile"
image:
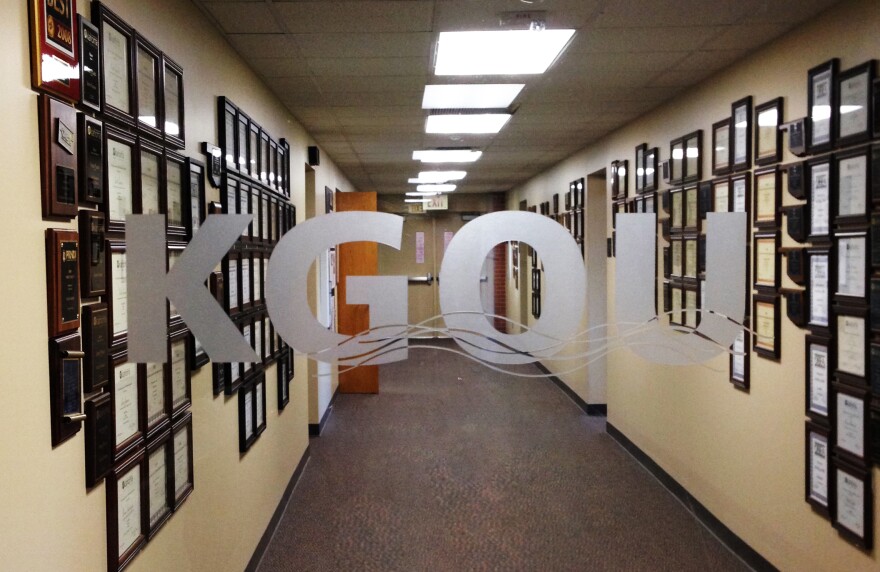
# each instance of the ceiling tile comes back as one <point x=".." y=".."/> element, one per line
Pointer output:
<point x="357" y="45"/>
<point x="641" y="39"/>
<point x="264" y="45"/>
<point x="732" y="37"/>
<point x="369" y="66"/>
<point x="639" y="13"/>
<point x="370" y="84"/>
<point x="708" y="60"/>
<point x="355" y="17"/>
<point x="280" y="67"/>
<point x="244" y="18"/>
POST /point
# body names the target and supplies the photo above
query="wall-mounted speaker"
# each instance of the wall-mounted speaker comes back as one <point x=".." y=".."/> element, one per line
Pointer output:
<point x="314" y="156"/>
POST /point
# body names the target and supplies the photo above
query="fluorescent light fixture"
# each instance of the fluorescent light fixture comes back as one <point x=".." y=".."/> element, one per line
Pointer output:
<point x="446" y="156"/>
<point x="437" y="176"/>
<point x="479" y="123"/>
<point x="422" y="194"/>
<point x="499" y="52"/>
<point x="470" y="96"/>
<point x="443" y="188"/>
<point x="423" y="201"/>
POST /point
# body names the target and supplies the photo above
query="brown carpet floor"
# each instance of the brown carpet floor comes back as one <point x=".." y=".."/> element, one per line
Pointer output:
<point x="456" y="467"/>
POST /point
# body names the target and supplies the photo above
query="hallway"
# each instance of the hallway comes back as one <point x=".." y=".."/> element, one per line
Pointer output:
<point x="456" y="467"/>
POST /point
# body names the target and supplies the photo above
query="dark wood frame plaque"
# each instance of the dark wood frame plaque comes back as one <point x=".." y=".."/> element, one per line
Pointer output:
<point x="227" y="138"/>
<point x="58" y="158"/>
<point x="178" y="337"/>
<point x="676" y="164"/>
<point x="54" y="38"/>
<point x="172" y="74"/>
<point x="62" y="280"/>
<point x="175" y="162"/>
<point x="763" y="219"/>
<point x="856" y="219"/>
<point x="831" y="67"/>
<point x="155" y="204"/>
<point x="96" y="346"/>
<point x="180" y="494"/>
<point x="114" y="247"/>
<point x="111" y="133"/>
<point x="104" y="18"/>
<point x="747" y="195"/>
<point x="868" y="70"/>
<point x="98" y="438"/>
<point x="652" y="157"/>
<point x="767" y="350"/>
<point x="743" y="106"/>
<point x="91" y="160"/>
<point x="136" y="439"/>
<point x="824" y="509"/>
<point x="745" y="382"/>
<point x="195" y="197"/>
<point x="775" y="155"/>
<point x="862" y="394"/>
<point x="163" y="419"/>
<point x="852" y="378"/>
<point x="244" y="440"/>
<point x="866" y="540"/>
<point x="825" y="252"/>
<point x="815" y="235"/>
<point x="283" y="382"/>
<point x="260" y="402"/>
<point x="770" y="237"/>
<point x="90" y="64"/>
<point x="63" y="389"/>
<point x="115" y="560"/>
<point x="144" y="49"/>
<point x="161" y="444"/>
<point x="866" y="270"/>
<point x="719" y="166"/>
<point x="795" y="178"/>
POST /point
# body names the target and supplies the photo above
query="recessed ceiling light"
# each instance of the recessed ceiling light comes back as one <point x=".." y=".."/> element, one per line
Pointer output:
<point x="446" y="155"/>
<point x="438" y="176"/>
<point x="499" y="52"/>
<point x="470" y="96"/>
<point x="445" y="188"/>
<point x="480" y="123"/>
<point x="423" y="201"/>
<point x="422" y="194"/>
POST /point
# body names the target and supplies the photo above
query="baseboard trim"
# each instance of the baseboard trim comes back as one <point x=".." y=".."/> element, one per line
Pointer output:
<point x="315" y="429"/>
<point x="595" y="409"/>
<point x="729" y="538"/>
<point x="260" y="550"/>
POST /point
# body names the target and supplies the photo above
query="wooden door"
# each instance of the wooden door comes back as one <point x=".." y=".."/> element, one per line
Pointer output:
<point x="356" y="259"/>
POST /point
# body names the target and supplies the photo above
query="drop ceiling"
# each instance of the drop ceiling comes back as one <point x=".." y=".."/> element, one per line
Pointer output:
<point x="353" y="72"/>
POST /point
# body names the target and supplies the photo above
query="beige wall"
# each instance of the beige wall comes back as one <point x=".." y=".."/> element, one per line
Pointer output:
<point x="49" y="520"/>
<point x="741" y="455"/>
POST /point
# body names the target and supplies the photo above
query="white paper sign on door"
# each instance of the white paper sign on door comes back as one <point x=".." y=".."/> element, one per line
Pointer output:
<point x="420" y="248"/>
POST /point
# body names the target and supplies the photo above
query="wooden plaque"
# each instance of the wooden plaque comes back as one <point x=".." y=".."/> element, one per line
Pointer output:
<point x="58" y="164"/>
<point x="54" y="48"/>
<point x="65" y="390"/>
<point x="92" y="267"/>
<point x="99" y="438"/>
<point x="91" y="160"/>
<point x="62" y="280"/>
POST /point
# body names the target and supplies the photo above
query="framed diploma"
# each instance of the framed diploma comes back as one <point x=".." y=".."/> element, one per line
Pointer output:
<point x="172" y="255"/>
<point x="691" y="256"/>
<point x="125" y="507"/>
<point x="90" y="63"/>
<point x="173" y="104"/>
<point x="151" y="177"/>
<point x="852" y="107"/>
<point x="62" y="280"/>
<point x="766" y="316"/>
<point x="739" y="360"/>
<point x="266" y="231"/>
<point x="704" y="199"/>
<point x="740" y="197"/>
<point x="155" y="476"/>
<point x="852" y="170"/>
<point x="676" y="161"/>
<point x="247" y="417"/>
<point x="258" y="265"/>
<point x="768" y="136"/>
<point x="231" y="281"/>
<point x="284" y="163"/>
<point x="821" y="103"/>
<point x="264" y="161"/>
<point x="693" y="159"/>
<point x="55" y="48"/>
<point x="58" y="158"/>
<point x="854" y="504"/>
<point x="691" y="209"/>
<point x="155" y="399"/>
<point x="676" y="317"/>
<point x="852" y="345"/>
<point x="241" y="146"/>
<point x="254" y="150"/>
<point x="227" y="129"/>
<point x="768" y="197"/>
<point x="117" y="55"/>
<point x="667" y="261"/>
<point x="650" y="202"/>
<point x="676" y="198"/>
<point x="741" y="134"/>
<point x="283" y="383"/>
<point x="795" y="177"/>
<point x="820" y="284"/>
<point x="691" y="295"/>
<point x="652" y="158"/>
<point x="65" y="389"/>
<point x="819" y="179"/>
<point x="246" y="281"/>
<point x="147" y="88"/>
<point x="618" y="181"/>
<point x="119" y="177"/>
<point x="678" y="262"/>
<point x="91" y="160"/>
<point x="721" y="147"/>
<point x="128" y="427"/>
<point x="851" y="422"/>
<point x="819" y="365"/>
<point x="260" y="403"/>
<point x="244" y="207"/>
<point x="766" y="270"/>
<point x="819" y="492"/>
<point x="96" y="346"/>
<point x="176" y="179"/>
<point x="796" y="223"/>
<point x="178" y="373"/>
<point x="181" y="440"/>
<point x="852" y="268"/>
<point x="194" y="214"/>
<point x="117" y="292"/>
<point x="98" y="438"/>
<point x="721" y="195"/>
<point x="641" y="151"/>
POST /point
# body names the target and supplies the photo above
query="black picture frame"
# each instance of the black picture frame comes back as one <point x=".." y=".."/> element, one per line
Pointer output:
<point x="125" y="373"/>
<point x="821" y="102"/>
<point x="110" y="24"/>
<point x="90" y="64"/>
<point x="820" y="272"/>
<point x="767" y="200"/>
<point x="175" y="196"/>
<point x="147" y="63"/>
<point x="741" y="348"/>
<point x="98" y="438"/>
<point x="116" y="141"/>
<point x="852" y="332"/>
<point x="765" y="240"/>
<point x="817" y="444"/>
<point x="865" y="539"/>
<point x="852" y="178"/>
<point x="853" y="113"/>
<point x="227" y="128"/>
<point x="173" y="106"/>
<point x="768" y="135"/>
<point x="853" y="275"/>
<point x="158" y="447"/>
<point x="851" y="422"/>
<point x="819" y="365"/>
<point x="721" y="151"/>
<point x="741" y="134"/>
<point x="122" y="477"/>
<point x="195" y="215"/>
<point x="153" y="385"/>
<point x="763" y="345"/>
<point x="821" y="188"/>
<point x="182" y="454"/>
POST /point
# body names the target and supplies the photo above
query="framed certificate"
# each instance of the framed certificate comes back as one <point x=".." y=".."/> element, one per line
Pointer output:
<point x="677" y="252"/>
<point x="676" y="198"/>
<point x="254" y="150"/>
<point x="155" y="476"/>
<point x="247" y="417"/>
<point x="194" y="210"/>
<point x="874" y="297"/>
<point x="65" y="390"/>
<point x="117" y="56"/>
<point x="851" y="422"/>
<point x="219" y="373"/>
<point x="676" y="316"/>
<point x="273" y="169"/>
<point x="125" y="506"/>
<point x="766" y="316"/>
<point x="62" y="280"/>
<point x="241" y="137"/>
<point x="652" y="159"/>
<point x="691" y="295"/>
<point x="768" y="197"/>
<point x="820" y="287"/>
<point x="852" y="171"/>
<point x="127" y="421"/>
<point x="91" y="160"/>
<point x="741" y="134"/>
<point x="260" y="402"/>
<point x="172" y="255"/>
<point x="821" y="103"/>
<point x="246" y="281"/>
<point x="739" y="360"/>
<point x="721" y="195"/>
<point x="266" y="231"/>
<point x="264" y="159"/>
<point x="283" y="382"/>
<point x="175" y="199"/>
<point x="852" y="267"/>
<point x="721" y="147"/>
<point x="691" y="209"/>
<point x="740" y="198"/>
<point x="182" y="460"/>
<point x="231" y="280"/>
<point x="173" y="104"/>
<point x="650" y="200"/>
<point x="55" y="48"/>
<point x="640" y="167"/>
<point x="619" y="172"/>
<point x="155" y="400"/>
<point x="197" y="357"/>
<point x="147" y="80"/>
<point x="852" y="107"/>
<point x="117" y="292"/>
<point x="244" y="207"/>
<point x="693" y="160"/>
<point x="98" y="438"/>
<point x="768" y="136"/>
<point x="90" y="63"/>
<point x="852" y="345"/>
<point x="676" y="161"/>
<point x="819" y="365"/>
<point x="58" y="158"/>
<point x="178" y="375"/>
<point x="284" y="168"/>
<point x="149" y="188"/>
<point x="227" y="130"/>
<point x="119" y="177"/>
<point x="819" y="189"/>
<point x="819" y="492"/>
<point x="691" y="256"/>
<point x="875" y="368"/>
<point x="766" y="271"/>
<point x="854" y="504"/>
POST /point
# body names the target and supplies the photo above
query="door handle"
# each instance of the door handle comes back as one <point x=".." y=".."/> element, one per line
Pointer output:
<point x="429" y="279"/>
<point x="484" y="278"/>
